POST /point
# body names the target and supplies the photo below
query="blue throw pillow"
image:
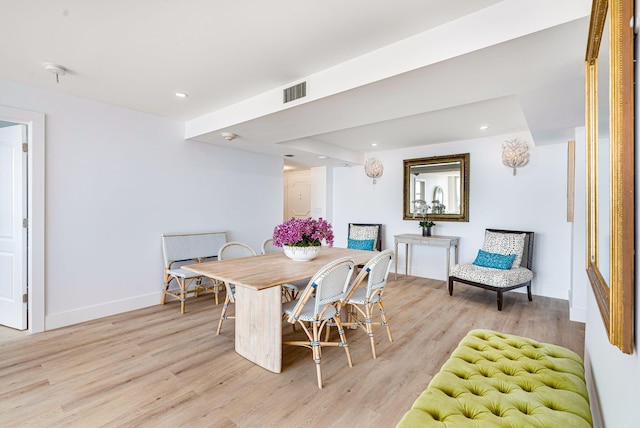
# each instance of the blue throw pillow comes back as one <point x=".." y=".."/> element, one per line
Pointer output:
<point x="361" y="244"/>
<point x="493" y="260"/>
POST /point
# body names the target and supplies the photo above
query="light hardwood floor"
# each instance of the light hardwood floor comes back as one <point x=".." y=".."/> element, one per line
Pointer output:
<point x="157" y="368"/>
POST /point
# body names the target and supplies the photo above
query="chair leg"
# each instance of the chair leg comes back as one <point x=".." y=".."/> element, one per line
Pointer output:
<point x="317" y="356"/>
<point x="216" y="291"/>
<point x="351" y="317"/>
<point x="385" y="323"/>
<point x="223" y="314"/>
<point x="197" y="287"/>
<point x="369" y="328"/>
<point x="163" y="297"/>
<point x="450" y="286"/>
<point x="343" y="338"/>
<point x="529" y="293"/>
<point x="500" y="300"/>
<point x="183" y="294"/>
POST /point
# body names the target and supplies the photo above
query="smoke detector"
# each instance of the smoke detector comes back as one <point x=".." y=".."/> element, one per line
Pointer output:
<point x="228" y="136"/>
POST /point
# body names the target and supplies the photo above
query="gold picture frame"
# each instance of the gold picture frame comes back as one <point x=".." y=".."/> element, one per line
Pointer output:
<point x="614" y="292"/>
<point x="456" y="167"/>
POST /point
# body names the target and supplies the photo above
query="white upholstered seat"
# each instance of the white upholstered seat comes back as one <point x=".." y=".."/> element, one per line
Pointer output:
<point x="489" y="276"/>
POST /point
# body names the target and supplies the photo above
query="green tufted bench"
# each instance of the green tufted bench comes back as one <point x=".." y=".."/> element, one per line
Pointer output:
<point x="501" y="380"/>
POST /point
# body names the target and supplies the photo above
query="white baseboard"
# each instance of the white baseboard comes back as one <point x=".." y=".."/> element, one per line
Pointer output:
<point x="545" y="291"/>
<point x="88" y="313"/>
<point x="578" y="314"/>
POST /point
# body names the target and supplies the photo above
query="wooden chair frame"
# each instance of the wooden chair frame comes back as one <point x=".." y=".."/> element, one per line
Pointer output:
<point x="182" y="247"/>
<point x="313" y="329"/>
<point x="362" y="317"/>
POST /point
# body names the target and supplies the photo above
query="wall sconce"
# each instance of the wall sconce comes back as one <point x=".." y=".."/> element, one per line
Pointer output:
<point x="515" y="154"/>
<point x="373" y="168"/>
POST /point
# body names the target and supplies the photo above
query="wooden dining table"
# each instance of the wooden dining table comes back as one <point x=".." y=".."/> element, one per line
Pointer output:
<point x="258" y="294"/>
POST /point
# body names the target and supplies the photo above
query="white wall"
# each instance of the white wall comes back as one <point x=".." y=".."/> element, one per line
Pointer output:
<point x="115" y="180"/>
<point x="579" y="278"/>
<point x="535" y="199"/>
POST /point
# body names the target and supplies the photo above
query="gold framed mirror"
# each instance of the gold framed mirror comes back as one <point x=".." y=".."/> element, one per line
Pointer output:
<point x="437" y="186"/>
<point x="611" y="194"/>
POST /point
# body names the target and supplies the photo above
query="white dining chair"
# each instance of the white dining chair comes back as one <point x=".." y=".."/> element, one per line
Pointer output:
<point x="360" y="301"/>
<point x="318" y="304"/>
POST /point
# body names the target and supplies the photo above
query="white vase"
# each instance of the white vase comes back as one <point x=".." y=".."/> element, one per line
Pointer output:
<point x="301" y="254"/>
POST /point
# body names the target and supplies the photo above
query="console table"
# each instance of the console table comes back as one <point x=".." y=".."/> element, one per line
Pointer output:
<point x="435" y="241"/>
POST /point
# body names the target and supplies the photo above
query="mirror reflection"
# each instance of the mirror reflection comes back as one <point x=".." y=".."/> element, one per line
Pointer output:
<point x="603" y="184"/>
<point x="437" y="187"/>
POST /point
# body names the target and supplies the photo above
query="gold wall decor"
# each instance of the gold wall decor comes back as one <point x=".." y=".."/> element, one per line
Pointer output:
<point x="437" y="186"/>
<point x="611" y="194"/>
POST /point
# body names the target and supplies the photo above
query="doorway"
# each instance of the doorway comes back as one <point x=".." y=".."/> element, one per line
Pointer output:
<point x="297" y="194"/>
<point x="13" y="225"/>
<point x="33" y="184"/>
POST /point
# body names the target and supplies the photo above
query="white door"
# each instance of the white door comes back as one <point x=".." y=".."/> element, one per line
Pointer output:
<point x="13" y="235"/>
<point x="297" y="194"/>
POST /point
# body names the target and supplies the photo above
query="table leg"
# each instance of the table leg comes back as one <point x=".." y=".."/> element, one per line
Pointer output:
<point x="456" y="253"/>
<point x="259" y="326"/>
<point x="406" y="260"/>
<point x="395" y="262"/>
<point x="448" y="263"/>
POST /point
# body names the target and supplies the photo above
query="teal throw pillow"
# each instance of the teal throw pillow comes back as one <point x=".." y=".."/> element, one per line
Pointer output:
<point x="493" y="260"/>
<point x="361" y="244"/>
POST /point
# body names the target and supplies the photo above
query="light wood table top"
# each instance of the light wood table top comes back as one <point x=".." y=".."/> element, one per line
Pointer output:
<point x="270" y="270"/>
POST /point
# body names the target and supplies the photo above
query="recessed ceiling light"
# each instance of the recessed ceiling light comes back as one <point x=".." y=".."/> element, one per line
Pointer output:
<point x="374" y="144"/>
<point x="484" y="127"/>
<point x="322" y="157"/>
<point x="181" y="95"/>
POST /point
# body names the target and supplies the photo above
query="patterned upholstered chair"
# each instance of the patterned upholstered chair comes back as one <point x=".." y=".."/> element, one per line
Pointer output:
<point x="504" y="263"/>
<point x="365" y="236"/>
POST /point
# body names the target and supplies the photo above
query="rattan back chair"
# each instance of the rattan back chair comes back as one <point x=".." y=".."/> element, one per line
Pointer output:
<point x="229" y="251"/>
<point x="360" y="301"/>
<point x="318" y="304"/>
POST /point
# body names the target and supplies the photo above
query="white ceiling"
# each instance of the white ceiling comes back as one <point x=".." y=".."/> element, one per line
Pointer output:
<point x="399" y="74"/>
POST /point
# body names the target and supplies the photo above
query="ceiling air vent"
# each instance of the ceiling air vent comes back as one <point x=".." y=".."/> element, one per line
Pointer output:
<point x="294" y="92"/>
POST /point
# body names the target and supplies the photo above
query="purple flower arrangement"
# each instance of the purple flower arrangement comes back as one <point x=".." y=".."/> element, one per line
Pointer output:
<point x="307" y="232"/>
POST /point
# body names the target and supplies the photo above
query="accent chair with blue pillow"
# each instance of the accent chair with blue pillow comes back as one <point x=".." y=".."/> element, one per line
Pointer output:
<point x="503" y="263"/>
<point x="364" y="236"/>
